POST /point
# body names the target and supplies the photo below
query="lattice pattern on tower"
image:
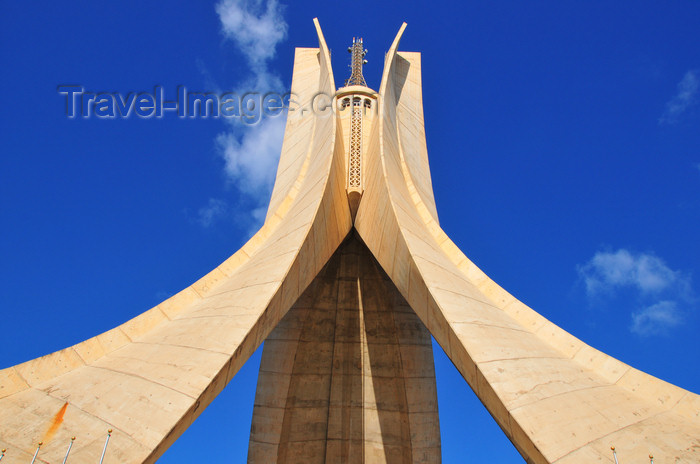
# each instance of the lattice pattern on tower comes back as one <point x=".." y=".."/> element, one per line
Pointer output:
<point x="355" y="157"/>
<point x="358" y="59"/>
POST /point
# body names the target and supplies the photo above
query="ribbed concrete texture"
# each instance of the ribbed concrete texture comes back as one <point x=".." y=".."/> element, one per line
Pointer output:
<point x="347" y="376"/>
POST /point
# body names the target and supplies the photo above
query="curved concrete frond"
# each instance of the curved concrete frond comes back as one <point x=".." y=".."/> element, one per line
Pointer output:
<point x="149" y="378"/>
<point x="556" y="398"/>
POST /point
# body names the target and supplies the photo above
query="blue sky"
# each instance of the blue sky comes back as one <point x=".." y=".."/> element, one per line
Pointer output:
<point x="564" y="141"/>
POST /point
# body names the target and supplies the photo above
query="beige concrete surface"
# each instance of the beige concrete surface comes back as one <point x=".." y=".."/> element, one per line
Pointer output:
<point x="557" y="399"/>
<point x="347" y="374"/>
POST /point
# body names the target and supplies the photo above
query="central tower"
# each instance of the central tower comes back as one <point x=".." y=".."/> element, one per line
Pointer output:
<point x="357" y="105"/>
<point x="347" y="376"/>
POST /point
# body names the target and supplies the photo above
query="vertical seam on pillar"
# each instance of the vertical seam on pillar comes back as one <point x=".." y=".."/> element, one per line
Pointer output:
<point x="403" y="377"/>
<point x="291" y="378"/>
<point x="363" y="343"/>
<point x="330" y="382"/>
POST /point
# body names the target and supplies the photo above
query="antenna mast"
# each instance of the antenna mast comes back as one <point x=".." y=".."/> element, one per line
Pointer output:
<point x="358" y="52"/>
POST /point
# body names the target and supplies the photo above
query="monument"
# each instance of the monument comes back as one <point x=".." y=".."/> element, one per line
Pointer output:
<point x="345" y="282"/>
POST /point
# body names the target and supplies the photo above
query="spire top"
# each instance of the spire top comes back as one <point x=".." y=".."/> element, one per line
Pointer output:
<point x="358" y="52"/>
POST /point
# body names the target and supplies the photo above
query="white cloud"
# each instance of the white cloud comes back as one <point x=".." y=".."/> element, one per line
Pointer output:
<point x="686" y="97"/>
<point x="251" y="158"/>
<point x="208" y="214"/>
<point x="257" y="218"/>
<point x="656" y="287"/>
<point x="657" y="318"/>
<point x="251" y="149"/>
<point x="256" y="26"/>
<point x="607" y="271"/>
